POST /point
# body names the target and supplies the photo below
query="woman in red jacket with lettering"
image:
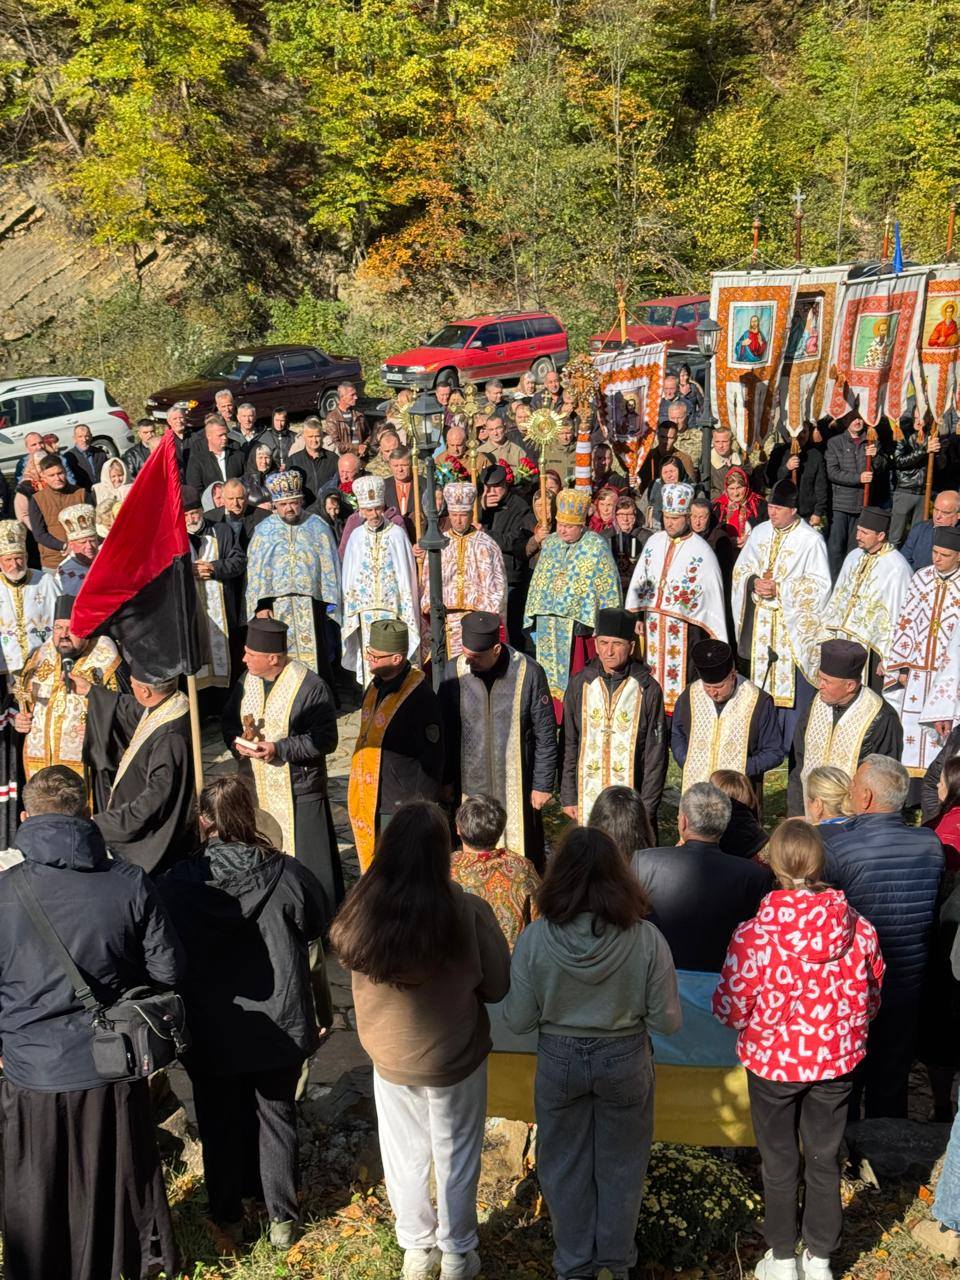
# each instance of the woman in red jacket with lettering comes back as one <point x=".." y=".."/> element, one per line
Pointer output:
<point x="800" y="983"/>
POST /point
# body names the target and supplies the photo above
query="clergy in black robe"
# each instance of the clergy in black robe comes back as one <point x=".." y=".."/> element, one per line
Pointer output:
<point x="613" y="731"/>
<point x="280" y="718"/>
<point x="500" y="731"/>
<point x="844" y="723"/>
<point x="398" y="754"/>
<point x="508" y="519"/>
<point x="723" y="721"/>
<point x="145" y="738"/>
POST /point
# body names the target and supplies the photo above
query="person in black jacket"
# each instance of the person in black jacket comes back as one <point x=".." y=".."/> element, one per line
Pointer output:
<point x="699" y="893"/>
<point x="910" y="454"/>
<point x="247" y="916"/>
<point x="85" y="1196"/>
<point x="846" y="460"/>
<point x="510" y="522"/>
<point x="137" y="454"/>
<point x="592" y="755"/>
<point x="316" y="464"/>
<point x="807" y="469"/>
<point x="85" y="458"/>
<point x="214" y="458"/>
<point x="218" y="557"/>
<point x="930" y="800"/>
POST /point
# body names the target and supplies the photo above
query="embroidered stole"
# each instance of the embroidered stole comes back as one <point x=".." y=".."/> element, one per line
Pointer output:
<point x="363" y="789"/>
<point x="718" y="741"/>
<point x="59" y="714"/>
<point x="608" y="738"/>
<point x="491" y="743"/>
<point x="302" y="639"/>
<point x="770" y="632"/>
<point x="273" y="781"/>
<point x="839" y="745"/>
<point x="665" y="639"/>
<point x="149" y="723"/>
<point x="212" y="622"/>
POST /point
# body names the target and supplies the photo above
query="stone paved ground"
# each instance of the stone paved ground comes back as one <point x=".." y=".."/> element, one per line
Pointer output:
<point x="340" y="1052"/>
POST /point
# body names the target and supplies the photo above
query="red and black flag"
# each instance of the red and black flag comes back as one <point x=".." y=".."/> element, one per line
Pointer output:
<point x="140" y="587"/>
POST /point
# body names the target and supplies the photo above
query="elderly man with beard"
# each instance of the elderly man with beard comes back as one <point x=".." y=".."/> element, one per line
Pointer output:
<point x="55" y="725"/>
<point x="147" y="440"/>
<point x="80" y="526"/>
<point x="27" y="602"/>
<point x="293" y="574"/>
<point x="500" y="732"/>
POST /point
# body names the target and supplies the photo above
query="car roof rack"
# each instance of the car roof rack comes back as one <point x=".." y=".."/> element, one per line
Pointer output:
<point x="27" y="384"/>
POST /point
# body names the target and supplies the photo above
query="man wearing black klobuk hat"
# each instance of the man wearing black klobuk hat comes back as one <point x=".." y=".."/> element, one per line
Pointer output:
<point x="280" y="721"/>
<point x="54" y="718"/>
<point x="614" y="731"/>
<point x="845" y="722"/>
<point x="218" y="566"/>
<point x="399" y="751"/>
<point x="723" y="721"/>
<point x="781" y="584"/>
<point x="500" y="731"/>
<point x="868" y="596"/>
<point x="925" y="654"/>
<point x="510" y="522"/>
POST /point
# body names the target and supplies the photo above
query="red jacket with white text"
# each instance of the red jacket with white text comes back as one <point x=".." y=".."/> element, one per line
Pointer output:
<point x="801" y="982"/>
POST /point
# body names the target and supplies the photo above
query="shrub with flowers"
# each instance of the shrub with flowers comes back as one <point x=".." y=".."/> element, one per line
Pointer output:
<point x="694" y="1204"/>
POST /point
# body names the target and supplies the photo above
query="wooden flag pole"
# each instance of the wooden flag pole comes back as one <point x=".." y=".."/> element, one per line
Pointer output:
<point x="871" y="439"/>
<point x="621" y="310"/>
<point x="194" y="702"/>
<point x="928" y="488"/>
<point x="417" y="513"/>
<point x="951" y="223"/>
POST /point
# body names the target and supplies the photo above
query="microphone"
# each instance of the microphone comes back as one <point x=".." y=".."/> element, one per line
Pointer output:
<point x="772" y="657"/>
<point x="66" y="667"/>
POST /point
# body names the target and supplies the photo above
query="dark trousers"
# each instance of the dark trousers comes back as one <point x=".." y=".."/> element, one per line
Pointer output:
<point x="816" y="1114"/>
<point x="841" y="539"/>
<point x="881" y="1080"/>
<point x="248" y="1129"/>
<point x="516" y="603"/>
<point x="907" y="509"/>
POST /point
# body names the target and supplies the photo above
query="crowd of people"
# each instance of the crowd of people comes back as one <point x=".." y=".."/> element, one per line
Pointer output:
<point x="724" y="613"/>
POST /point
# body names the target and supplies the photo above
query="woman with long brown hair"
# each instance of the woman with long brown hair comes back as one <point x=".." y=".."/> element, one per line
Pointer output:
<point x="425" y="959"/>
<point x="247" y="916"/>
<point x="593" y="976"/>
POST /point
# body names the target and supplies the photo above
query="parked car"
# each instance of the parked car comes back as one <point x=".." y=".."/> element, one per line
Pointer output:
<point x="302" y="378"/>
<point x="54" y="406"/>
<point x="501" y="345"/>
<point x="671" y="320"/>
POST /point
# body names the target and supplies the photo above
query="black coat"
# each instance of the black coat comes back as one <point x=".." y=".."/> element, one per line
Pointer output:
<point x="910" y="463"/>
<point x="929" y="800"/>
<point x="765" y="737"/>
<point x="813" y="491"/>
<point x="650" y="758"/>
<point x="246" y="920"/>
<point x="241" y="528"/>
<point x="203" y="469"/>
<point x="87" y="467"/>
<point x="107" y="914"/>
<point x="884" y="737"/>
<point x="311" y="738"/>
<point x="315" y="471"/>
<point x="846" y="461"/>
<point x="510" y="526"/>
<point x="411" y="753"/>
<point x="229" y="566"/>
<point x="700" y="894"/>
<point x="134" y="458"/>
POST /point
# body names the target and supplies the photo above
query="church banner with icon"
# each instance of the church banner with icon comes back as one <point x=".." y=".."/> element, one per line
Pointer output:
<point x="874" y="346"/>
<point x="938" y="372"/>
<point x="754" y="310"/>
<point x="807" y="355"/>
<point x="631" y="386"/>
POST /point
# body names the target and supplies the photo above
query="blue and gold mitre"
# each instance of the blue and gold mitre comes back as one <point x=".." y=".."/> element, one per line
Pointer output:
<point x="284" y="486"/>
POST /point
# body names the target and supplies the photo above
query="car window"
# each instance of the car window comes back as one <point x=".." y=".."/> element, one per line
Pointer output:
<point x="232" y="364"/>
<point x="11" y="411"/>
<point x="513" y="331"/>
<point x="319" y="358"/>
<point x="46" y="404"/>
<point x="267" y="367"/>
<point x="685" y="314"/>
<point x="79" y="401"/>
<point x="655" y="315"/>
<point x="297" y="364"/>
<point x="451" y="335"/>
<point x="489" y="335"/>
<point x="543" y="326"/>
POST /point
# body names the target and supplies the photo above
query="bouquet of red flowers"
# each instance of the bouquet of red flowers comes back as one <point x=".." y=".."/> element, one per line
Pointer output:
<point x="527" y="470"/>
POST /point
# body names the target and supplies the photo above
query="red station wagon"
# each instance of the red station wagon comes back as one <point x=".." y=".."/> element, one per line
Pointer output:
<point x="501" y="345"/>
<point x="671" y="320"/>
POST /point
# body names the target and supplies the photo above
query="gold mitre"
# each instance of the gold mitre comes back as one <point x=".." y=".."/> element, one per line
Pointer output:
<point x="573" y="506"/>
<point x="13" y="538"/>
<point x="79" y="522"/>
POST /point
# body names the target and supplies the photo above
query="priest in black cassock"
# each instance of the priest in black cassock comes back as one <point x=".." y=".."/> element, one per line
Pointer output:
<point x="500" y="731"/>
<point x="723" y="721"/>
<point x="143" y="739"/>
<point x="845" y="723"/>
<point x="280" y="719"/>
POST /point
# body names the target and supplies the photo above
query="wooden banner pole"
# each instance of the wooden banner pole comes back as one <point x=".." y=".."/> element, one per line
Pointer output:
<point x="194" y="702"/>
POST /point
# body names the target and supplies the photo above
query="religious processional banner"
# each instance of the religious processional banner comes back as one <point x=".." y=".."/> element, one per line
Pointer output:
<point x="873" y="355"/>
<point x="807" y="355"/>
<point x="754" y="310"/>
<point x="632" y="373"/>
<point x="937" y="380"/>
<point x="701" y="1095"/>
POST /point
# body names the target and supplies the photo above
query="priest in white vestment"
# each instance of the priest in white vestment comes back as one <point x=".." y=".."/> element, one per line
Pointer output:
<point x="379" y="579"/>
<point x="678" y="587"/>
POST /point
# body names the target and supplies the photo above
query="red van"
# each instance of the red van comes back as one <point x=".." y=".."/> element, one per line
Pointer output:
<point x="671" y="320"/>
<point x="501" y="345"/>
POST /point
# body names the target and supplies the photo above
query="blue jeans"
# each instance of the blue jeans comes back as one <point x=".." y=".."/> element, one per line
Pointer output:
<point x="594" y="1104"/>
<point x="946" y="1202"/>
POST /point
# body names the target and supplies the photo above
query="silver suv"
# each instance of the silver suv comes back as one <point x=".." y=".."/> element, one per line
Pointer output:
<point x="54" y="406"/>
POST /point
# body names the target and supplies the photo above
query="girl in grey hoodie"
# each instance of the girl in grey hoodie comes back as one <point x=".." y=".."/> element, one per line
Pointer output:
<point x="593" y="976"/>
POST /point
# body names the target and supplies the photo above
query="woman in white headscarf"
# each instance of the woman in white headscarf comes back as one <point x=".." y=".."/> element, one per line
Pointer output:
<point x="113" y="486"/>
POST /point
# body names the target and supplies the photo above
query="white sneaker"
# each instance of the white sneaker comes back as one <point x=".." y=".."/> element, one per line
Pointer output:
<point x="460" y="1266"/>
<point x="812" y="1268"/>
<point x="421" y="1264"/>
<point x="771" y="1268"/>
